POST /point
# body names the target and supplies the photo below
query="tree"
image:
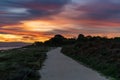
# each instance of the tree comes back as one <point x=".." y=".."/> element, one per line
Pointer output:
<point x="57" y="40"/>
<point x="81" y="38"/>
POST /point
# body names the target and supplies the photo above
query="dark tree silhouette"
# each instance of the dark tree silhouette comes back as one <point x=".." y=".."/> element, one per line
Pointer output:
<point x="81" y="38"/>
<point x="57" y="40"/>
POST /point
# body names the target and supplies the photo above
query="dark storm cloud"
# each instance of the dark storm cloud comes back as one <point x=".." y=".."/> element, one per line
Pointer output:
<point x="107" y="10"/>
<point x="13" y="11"/>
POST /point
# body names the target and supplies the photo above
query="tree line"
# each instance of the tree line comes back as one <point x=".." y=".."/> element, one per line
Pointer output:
<point x="59" y="40"/>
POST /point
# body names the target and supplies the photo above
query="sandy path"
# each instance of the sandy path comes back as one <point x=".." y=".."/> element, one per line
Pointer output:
<point x="61" y="67"/>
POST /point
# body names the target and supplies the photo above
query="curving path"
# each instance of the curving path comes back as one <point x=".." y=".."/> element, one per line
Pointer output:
<point x="61" y="67"/>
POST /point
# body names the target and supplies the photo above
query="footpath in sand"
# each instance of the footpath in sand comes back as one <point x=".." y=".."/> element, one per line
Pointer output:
<point x="60" y="67"/>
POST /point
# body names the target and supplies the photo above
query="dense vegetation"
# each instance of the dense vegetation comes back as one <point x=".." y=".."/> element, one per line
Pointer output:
<point x="99" y="53"/>
<point x="22" y="63"/>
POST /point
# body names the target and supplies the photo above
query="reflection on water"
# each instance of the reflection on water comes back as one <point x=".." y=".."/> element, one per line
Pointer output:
<point x="6" y="48"/>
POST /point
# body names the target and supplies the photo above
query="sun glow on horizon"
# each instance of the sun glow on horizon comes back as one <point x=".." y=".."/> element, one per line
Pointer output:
<point x="39" y="26"/>
<point x="38" y="30"/>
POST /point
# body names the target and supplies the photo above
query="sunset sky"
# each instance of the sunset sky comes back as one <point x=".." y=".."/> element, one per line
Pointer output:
<point x="39" y="20"/>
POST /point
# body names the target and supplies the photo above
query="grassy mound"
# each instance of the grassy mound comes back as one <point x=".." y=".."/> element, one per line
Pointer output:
<point x="21" y="63"/>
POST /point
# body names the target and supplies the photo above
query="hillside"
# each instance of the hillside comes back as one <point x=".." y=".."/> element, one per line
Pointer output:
<point x="13" y="44"/>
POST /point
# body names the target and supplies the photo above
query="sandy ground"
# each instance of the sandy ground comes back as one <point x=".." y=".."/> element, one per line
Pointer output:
<point x="61" y="67"/>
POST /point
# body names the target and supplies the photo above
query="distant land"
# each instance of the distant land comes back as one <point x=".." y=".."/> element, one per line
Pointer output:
<point x="13" y="44"/>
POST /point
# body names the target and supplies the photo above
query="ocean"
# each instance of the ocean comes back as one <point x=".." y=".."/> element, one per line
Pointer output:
<point x="6" y="48"/>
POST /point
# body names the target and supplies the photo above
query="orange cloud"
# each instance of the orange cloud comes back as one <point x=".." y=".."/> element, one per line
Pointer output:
<point x="41" y="30"/>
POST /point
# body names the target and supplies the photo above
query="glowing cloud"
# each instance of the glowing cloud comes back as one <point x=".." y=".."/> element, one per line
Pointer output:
<point x="38" y="26"/>
<point x="39" y="20"/>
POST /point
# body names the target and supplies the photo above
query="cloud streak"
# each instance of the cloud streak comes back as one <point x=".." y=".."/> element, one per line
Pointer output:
<point x="13" y="11"/>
